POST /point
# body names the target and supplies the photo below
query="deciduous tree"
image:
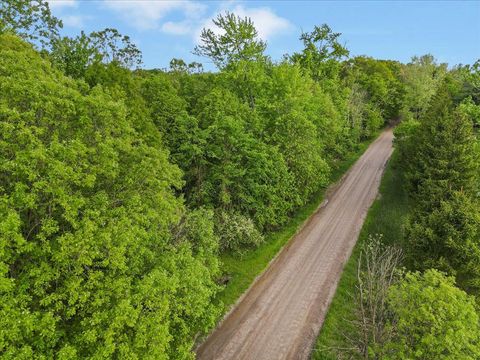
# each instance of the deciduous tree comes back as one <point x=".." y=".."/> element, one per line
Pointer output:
<point x="433" y="319"/>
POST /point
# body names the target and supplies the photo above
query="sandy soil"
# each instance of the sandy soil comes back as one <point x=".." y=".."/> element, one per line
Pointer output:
<point x="281" y="314"/>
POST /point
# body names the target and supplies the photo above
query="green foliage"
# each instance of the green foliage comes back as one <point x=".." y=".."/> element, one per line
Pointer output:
<point x="380" y="82"/>
<point x="470" y="110"/>
<point x="179" y="66"/>
<point x="237" y="41"/>
<point x="237" y="232"/>
<point x="30" y="19"/>
<point x="422" y="77"/>
<point x="433" y="319"/>
<point x="404" y="131"/>
<point x="469" y="78"/>
<point x="440" y="158"/>
<point x="302" y="156"/>
<point x="111" y="46"/>
<point x="441" y="161"/>
<point x="221" y="178"/>
<point x="373" y="121"/>
<point x="257" y="139"/>
<point x="473" y="81"/>
<point x="443" y="155"/>
<point x="448" y="238"/>
<point x="100" y="258"/>
<point x="89" y="265"/>
<point x="322" y="52"/>
<point x="75" y="55"/>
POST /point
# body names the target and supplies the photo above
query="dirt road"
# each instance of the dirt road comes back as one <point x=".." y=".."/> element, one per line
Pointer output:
<point x="282" y="312"/>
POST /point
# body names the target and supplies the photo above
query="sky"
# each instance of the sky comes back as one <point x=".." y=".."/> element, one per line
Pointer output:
<point x="397" y="30"/>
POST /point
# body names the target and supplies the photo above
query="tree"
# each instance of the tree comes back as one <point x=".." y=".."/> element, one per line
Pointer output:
<point x="470" y="110"/>
<point x="237" y="233"/>
<point x="443" y="157"/>
<point x="433" y="319"/>
<point x="448" y="238"/>
<point x="73" y="55"/>
<point x="422" y="77"/>
<point x="377" y="271"/>
<point x="441" y="163"/>
<point x="237" y="40"/>
<point x="381" y="83"/>
<point x="300" y="120"/>
<point x="236" y="172"/>
<point x="111" y="46"/>
<point x="180" y="66"/>
<point x="30" y="19"/>
<point x="322" y="52"/>
<point x="236" y="48"/>
<point x="469" y="77"/>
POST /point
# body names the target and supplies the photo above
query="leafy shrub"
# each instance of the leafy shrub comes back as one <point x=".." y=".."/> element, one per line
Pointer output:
<point x="237" y="232"/>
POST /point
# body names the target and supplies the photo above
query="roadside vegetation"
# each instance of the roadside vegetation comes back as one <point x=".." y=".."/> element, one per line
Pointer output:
<point x="128" y="197"/>
<point x="426" y="305"/>
<point x="385" y="219"/>
<point x="240" y="271"/>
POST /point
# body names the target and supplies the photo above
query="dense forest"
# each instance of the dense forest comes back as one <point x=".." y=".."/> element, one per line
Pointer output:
<point x="120" y="186"/>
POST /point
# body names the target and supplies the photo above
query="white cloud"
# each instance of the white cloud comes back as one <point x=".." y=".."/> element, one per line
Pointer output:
<point x="177" y="28"/>
<point x="267" y="23"/>
<point x="265" y="20"/>
<point x="150" y="15"/>
<point x="76" y="21"/>
<point x="146" y="15"/>
<point x="61" y="4"/>
<point x="63" y="9"/>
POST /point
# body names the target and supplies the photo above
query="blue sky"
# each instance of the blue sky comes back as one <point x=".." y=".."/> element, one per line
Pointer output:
<point x="450" y="30"/>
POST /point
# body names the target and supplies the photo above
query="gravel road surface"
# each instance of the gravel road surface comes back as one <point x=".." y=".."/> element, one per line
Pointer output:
<point x="281" y="314"/>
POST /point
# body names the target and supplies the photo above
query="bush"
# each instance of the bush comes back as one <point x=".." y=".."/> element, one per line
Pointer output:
<point x="237" y="232"/>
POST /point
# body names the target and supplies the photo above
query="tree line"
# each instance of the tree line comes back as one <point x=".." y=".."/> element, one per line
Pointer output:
<point x="120" y="187"/>
<point x="419" y="297"/>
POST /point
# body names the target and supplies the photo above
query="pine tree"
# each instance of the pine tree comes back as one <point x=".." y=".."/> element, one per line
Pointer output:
<point x="442" y="175"/>
<point x="444" y="157"/>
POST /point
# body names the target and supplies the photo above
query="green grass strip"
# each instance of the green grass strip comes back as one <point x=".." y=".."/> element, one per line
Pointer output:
<point x="243" y="270"/>
<point x="386" y="216"/>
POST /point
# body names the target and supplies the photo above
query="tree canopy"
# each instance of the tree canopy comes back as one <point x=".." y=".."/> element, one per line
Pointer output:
<point x="433" y="319"/>
<point x="30" y="19"/>
<point x="234" y="39"/>
<point x="122" y="188"/>
<point x="89" y="265"/>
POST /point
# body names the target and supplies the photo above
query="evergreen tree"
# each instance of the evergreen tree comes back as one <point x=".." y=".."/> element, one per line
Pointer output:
<point x="443" y="157"/>
<point x="448" y="238"/>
